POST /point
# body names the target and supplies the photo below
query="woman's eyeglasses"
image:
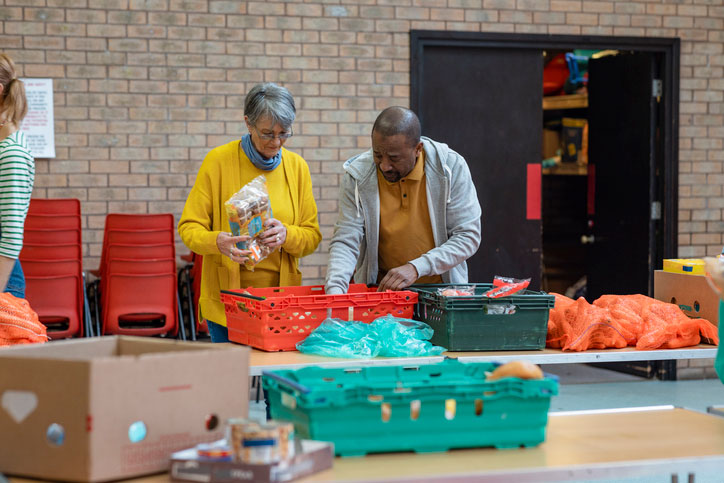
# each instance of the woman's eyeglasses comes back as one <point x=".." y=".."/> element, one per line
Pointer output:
<point x="283" y="136"/>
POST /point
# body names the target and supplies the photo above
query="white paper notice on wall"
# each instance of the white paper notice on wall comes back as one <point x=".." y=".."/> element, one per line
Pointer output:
<point x="38" y="125"/>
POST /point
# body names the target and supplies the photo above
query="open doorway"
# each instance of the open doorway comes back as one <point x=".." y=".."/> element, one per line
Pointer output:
<point x="601" y="213"/>
<point x="616" y="220"/>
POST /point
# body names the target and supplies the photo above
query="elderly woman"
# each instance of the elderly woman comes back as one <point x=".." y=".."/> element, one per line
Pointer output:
<point x="17" y="173"/>
<point x="204" y="227"/>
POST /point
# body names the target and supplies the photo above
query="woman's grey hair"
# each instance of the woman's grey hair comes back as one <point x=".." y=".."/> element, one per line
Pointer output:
<point x="270" y="100"/>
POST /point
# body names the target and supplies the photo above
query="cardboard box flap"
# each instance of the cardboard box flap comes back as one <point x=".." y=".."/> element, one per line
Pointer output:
<point x="108" y="347"/>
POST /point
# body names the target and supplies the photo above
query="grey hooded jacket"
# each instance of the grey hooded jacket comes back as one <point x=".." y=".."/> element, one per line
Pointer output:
<point x="454" y="212"/>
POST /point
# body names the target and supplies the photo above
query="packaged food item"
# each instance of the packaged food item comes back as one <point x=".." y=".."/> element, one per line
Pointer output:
<point x="500" y="309"/>
<point x="457" y="291"/>
<point x="286" y="439"/>
<point x="217" y="451"/>
<point x="248" y="209"/>
<point x="261" y="446"/>
<point x="520" y="369"/>
<point x="236" y="429"/>
<point x="503" y="286"/>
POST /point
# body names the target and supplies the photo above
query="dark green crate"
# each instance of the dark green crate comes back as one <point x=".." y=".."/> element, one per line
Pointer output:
<point x="464" y="324"/>
<point x="345" y="406"/>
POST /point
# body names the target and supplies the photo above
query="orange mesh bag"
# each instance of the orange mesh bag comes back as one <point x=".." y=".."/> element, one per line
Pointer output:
<point x="558" y="327"/>
<point x="19" y="323"/>
<point x="578" y="325"/>
<point x="615" y="321"/>
<point x="669" y="328"/>
<point x="594" y="329"/>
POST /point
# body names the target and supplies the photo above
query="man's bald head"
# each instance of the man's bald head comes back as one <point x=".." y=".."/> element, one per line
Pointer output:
<point x="398" y="120"/>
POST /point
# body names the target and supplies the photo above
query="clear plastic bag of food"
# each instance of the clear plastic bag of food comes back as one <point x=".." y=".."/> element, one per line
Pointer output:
<point x="457" y="291"/>
<point x="248" y="210"/>
<point x="500" y="309"/>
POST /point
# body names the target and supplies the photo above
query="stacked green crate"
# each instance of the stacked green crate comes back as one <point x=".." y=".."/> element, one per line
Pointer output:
<point x="424" y="408"/>
<point x="470" y="323"/>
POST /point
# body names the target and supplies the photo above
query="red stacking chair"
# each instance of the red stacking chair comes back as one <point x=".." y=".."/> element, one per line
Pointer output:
<point x="140" y="292"/>
<point x="138" y="280"/>
<point x="53" y="264"/>
<point x="54" y="291"/>
<point x="55" y="206"/>
<point x="50" y="237"/>
<point x="52" y="222"/>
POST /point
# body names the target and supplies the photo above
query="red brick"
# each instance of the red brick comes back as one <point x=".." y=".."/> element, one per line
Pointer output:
<point x="44" y="70"/>
<point x="186" y="33"/>
<point x="42" y="42"/>
<point x="567" y="5"/>
<point x="189" y="5"/>
<point x="142" y="31"/>
<point x="127" y="17"/>
<point x="149" y="4"/>
<point x="44" y="14"/>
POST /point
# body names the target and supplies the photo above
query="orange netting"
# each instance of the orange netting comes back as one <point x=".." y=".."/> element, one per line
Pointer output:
<point x="617" y="321"/>
<point x="19" y="323"/>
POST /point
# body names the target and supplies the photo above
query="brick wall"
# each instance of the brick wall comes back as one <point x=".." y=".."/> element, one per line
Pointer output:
<point x="143" y="88"/>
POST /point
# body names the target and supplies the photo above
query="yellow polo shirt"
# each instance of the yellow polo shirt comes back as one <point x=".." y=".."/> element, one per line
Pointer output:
<point x="405" y="228"/>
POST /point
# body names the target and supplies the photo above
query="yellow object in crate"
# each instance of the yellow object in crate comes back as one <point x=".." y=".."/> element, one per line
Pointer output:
<point x="691" y="266"/>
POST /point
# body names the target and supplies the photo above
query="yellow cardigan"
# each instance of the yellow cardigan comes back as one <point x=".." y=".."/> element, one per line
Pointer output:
<point x="204" y="217"/>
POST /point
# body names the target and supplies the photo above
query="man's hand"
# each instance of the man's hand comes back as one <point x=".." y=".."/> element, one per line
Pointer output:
<point x="399" y="278"/>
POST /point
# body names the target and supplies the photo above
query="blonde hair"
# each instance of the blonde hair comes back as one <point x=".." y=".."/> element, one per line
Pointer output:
<point x="13" y="104"/>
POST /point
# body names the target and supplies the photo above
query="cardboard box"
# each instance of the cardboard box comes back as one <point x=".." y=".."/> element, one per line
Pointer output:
<point x="69" y="410"/>
<point x="690" y="292"/>
<point x="573" y="134"/>
<point x="312" y="457"/>
<point x="551" y="143"/>
<point x="692" y="266"/>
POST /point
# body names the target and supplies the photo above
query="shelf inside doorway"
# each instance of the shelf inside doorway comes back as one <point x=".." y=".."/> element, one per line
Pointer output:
<point x="573" y="101"/>
<point x="568" y="169"/>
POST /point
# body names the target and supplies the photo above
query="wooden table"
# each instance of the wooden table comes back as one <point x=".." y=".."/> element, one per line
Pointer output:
<point x="579" y="445"/>
<point x="265" y="361"/>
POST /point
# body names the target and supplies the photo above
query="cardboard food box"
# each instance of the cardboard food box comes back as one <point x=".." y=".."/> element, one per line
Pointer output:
<point x="690" y="292"/>
<point x="107" y="408"/>
<point x="312" y="457"/>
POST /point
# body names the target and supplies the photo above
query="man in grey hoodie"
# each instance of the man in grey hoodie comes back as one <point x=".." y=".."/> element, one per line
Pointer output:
<point x="408" y="211"/>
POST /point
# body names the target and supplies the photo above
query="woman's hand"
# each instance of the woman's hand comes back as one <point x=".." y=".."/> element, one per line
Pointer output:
<point x="226" y="243"/>
<point x="275" y="234"/>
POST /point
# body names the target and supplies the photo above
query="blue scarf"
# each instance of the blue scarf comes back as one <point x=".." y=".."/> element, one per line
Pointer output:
<point x="256" y="158"/>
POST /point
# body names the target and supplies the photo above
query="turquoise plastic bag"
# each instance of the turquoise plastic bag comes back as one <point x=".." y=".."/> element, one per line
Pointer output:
<point x="387" y="336"/>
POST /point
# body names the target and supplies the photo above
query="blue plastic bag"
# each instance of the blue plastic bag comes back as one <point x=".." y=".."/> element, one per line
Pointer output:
<point x="387" y="336"/>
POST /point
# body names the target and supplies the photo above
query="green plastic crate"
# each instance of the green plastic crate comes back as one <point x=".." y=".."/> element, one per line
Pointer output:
<point x="349" y="407"/>
<point x="464" y="324"/>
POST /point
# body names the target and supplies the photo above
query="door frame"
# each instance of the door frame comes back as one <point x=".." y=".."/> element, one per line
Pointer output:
<point x="667" y="47"/>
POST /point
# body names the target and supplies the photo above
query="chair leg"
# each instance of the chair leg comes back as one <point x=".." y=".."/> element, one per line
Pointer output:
<point x="190" y="298"/>
<point x="182" y="328"/>
<point x="86" y="311"/>
<point x="96" y="289"/>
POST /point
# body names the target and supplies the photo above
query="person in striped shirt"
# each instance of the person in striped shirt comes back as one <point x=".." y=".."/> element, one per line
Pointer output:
<point x="17" y="173"/>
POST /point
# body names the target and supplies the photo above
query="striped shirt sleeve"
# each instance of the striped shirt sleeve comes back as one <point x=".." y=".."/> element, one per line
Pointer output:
<point x="17" y="174"/>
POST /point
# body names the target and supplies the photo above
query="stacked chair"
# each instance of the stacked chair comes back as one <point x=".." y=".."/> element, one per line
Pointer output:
<point x="138" y="280"/>
<point x="53" y="265"/>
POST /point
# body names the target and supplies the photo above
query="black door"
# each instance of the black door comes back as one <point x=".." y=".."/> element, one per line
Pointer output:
<point x="485" y="103"/>
<point x="622" y="143"/>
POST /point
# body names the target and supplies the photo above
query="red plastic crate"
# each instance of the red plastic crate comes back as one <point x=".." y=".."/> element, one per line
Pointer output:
<point x="276" y="318"/>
